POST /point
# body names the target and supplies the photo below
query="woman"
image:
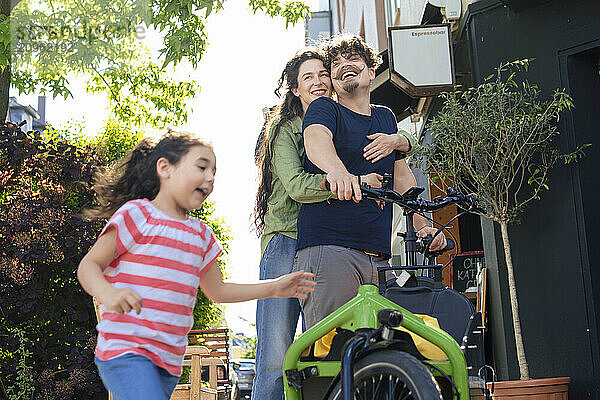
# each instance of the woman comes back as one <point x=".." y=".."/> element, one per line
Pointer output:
<point x="283" y="186"/>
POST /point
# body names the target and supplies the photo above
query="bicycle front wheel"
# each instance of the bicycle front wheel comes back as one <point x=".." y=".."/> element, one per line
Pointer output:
<point x="390" y="375"/>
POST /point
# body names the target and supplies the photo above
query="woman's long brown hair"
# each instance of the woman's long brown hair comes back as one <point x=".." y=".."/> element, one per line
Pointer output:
<point x="290" y="108"/>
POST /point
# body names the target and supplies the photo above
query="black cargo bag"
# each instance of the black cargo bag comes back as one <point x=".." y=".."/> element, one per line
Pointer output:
<point x="452" y="309"/>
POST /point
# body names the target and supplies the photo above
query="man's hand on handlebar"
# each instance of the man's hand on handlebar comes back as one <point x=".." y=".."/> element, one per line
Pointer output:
<point x="439" y="242"/>
<point x="344" y="185"/>
<point x="344" y="181"/>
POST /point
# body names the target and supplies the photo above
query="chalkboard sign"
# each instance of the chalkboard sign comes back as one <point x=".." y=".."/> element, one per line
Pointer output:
<point x="464" y="270"/>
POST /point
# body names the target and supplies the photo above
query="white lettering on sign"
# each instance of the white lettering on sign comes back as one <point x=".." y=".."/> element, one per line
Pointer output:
<point x="466" y="268"/>
<point x="426" y="33"/>
<point x="469" y="276"/>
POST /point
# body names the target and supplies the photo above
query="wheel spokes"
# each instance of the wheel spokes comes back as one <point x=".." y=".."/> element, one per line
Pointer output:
<point x="382" y="387"/>
<point x="390" y="388"/>
<point x="405" y="394"/>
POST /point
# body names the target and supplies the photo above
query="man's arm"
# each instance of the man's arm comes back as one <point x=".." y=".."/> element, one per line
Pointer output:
<point x="404" y="180"/>
<point x="318" y="142"/>
<point x="300" y="185"/>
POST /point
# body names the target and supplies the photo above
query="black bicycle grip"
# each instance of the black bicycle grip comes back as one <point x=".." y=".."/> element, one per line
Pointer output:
<point x="468" y="201"/>
<point x="424" y="243"/>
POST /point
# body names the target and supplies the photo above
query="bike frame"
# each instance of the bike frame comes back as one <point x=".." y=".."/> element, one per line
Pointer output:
<point x="362" y="311"/>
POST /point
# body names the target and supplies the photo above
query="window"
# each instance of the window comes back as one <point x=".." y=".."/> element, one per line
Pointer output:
<point x="391" y="9"/>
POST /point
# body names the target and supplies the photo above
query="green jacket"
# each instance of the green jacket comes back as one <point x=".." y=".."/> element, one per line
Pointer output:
<point x="291" y="184"/>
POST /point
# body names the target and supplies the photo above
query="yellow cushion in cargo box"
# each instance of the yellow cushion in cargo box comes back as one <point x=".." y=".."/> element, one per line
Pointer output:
<point x="428" y="349"/>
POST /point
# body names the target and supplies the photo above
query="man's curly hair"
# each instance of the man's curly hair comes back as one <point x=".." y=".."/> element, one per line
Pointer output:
<point x="347" y="45"/>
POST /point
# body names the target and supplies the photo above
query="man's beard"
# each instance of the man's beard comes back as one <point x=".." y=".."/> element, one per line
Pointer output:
<point x="349" y="87"/>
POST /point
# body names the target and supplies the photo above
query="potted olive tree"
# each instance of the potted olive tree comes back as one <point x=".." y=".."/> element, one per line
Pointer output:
<point x="496" y="140"/>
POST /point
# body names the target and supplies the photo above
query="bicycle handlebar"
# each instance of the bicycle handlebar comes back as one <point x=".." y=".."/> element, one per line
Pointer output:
<point x="411" y="203"/>
<point x="424" y="243"/>
<point x="410" y="199"/>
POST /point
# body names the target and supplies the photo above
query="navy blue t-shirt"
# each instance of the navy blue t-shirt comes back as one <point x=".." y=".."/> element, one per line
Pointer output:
<point x="360" y="225"/>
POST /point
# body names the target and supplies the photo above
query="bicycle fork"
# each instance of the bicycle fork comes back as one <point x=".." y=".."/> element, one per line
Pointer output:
<point x="389" y="319"/>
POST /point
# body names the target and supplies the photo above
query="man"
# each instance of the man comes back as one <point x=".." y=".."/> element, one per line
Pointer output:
<point x="343" y="242"/>
<point x="284" y="185"/>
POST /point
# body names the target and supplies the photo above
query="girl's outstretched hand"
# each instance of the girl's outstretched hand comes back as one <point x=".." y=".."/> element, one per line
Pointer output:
<point x="121" y="300"/>
<point x="295" y="284"/>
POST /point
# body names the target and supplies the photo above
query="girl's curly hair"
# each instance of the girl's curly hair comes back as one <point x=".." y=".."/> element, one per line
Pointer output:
<point x="134" y="176"/>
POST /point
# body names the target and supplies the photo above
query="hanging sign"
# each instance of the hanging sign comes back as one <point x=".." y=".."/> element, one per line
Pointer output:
<point x="421" y="62"/>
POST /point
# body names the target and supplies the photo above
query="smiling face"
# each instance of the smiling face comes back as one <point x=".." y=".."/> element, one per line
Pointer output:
<point x="313" y="82"/>
<point x="185" y="185"/>
<point x="349" y="72"/>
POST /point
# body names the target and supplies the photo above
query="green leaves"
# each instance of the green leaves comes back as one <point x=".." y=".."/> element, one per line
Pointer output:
<point x="144" y="95"/>
<point x="48" y="41"/>
<point x="575" y="156"/>
<point x="497" y="139"/>
<point x="23" y="388"/>
<point x="292" y="11"/>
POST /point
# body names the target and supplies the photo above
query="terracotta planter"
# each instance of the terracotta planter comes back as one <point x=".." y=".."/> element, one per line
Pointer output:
<point x="538" y="389"/>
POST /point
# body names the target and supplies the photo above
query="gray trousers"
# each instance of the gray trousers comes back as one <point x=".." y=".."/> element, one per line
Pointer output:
<point x="339" y="271"/>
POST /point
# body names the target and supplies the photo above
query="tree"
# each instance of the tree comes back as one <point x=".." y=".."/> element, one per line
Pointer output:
<point x="206" y="313"/>
<point x="248" y="344"/>
<point x="251" y="350"/>
<point x="43" y="42"/>
<point x="498" y="140"/>
<point x="45" y="183"/>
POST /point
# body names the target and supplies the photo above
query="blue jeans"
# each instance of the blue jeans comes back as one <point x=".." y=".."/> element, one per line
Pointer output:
<point x="276" y="321"/>
<point x="135" y="377"/>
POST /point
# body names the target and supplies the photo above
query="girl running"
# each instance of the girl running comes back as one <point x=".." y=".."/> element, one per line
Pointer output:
<point x="149" y="260"/>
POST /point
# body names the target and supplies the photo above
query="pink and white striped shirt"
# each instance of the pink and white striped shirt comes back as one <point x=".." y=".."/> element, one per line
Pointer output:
<point x="162" y="259"/>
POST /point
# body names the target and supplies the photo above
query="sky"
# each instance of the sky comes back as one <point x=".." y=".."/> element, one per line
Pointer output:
<point x="238" y="74"/>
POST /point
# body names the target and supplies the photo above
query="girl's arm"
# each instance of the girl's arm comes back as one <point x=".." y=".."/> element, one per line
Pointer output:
<point x="95" y="284"/>
<point x="290" y="285"/>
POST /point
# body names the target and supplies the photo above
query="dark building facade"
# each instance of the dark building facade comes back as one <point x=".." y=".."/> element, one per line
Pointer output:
<point x="556" y="248"/>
